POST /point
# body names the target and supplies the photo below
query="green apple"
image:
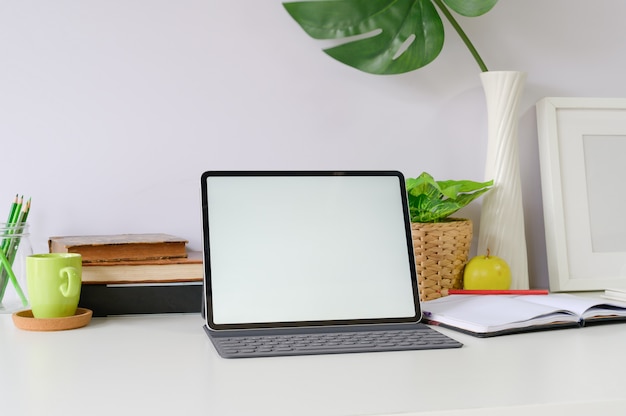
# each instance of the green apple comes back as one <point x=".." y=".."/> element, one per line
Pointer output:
<point x="487" y="273"/>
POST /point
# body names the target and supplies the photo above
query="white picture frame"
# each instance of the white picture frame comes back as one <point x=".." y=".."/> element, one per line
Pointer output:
<point x="582" y="147"/>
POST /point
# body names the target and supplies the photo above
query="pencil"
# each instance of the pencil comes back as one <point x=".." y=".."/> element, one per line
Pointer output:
<point x="3" y="246"/>
<point x="21" y="215"/>
<point x="12" y="210"/>
<point x="13" y="214"/>
<point x="18" y="228"/>
<point x="26" y="212"/>
<point x="15" y="210"/>
<point x="497" y="292"/>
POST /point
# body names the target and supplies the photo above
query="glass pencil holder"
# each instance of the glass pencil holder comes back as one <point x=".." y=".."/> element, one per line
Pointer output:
<point x="16" y="246"/>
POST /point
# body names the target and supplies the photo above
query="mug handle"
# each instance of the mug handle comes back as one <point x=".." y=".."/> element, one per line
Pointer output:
<point x="71" y="286"/>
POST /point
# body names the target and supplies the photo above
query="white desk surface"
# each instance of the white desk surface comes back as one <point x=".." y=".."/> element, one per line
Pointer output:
<point x="166" y="365"/>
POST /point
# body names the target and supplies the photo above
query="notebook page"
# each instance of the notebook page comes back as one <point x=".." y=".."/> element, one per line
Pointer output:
<point x="585" y="307"/>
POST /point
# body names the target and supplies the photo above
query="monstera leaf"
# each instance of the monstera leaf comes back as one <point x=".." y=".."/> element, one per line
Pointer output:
<point x="385" y="36"/>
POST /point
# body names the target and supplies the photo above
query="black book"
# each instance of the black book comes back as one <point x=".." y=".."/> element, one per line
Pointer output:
<point x="145" y="298"/>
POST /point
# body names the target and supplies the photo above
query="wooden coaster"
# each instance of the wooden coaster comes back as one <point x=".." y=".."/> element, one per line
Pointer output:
<point x="26" y="320"/>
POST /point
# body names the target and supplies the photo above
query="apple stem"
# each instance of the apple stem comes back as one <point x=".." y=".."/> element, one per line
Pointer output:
<point x="488" y="252"/>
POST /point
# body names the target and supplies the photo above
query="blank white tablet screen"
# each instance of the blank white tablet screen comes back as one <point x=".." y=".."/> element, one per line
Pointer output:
<point x="307" y="248"/>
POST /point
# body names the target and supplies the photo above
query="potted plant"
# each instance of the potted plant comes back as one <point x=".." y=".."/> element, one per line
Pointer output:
<point x="441" y="243"/>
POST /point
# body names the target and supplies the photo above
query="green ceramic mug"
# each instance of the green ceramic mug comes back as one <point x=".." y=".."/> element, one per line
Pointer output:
<point x="53" y="281"/>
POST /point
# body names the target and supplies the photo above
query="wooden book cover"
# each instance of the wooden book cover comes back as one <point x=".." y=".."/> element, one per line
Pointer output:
<point x="120" y="247"/>
<point x="188" y="269"/>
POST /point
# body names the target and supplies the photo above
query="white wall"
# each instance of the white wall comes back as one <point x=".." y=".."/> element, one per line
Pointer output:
<point x="110" y="110"/>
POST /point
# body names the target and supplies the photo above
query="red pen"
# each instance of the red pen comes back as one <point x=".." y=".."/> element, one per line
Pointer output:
<point x="497" y="292"/>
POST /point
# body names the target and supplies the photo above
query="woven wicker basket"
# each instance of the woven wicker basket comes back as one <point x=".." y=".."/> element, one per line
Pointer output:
<point x="441" y="252"/>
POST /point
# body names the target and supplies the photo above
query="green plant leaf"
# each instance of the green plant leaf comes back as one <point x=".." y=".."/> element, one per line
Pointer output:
<point x="423" y="184"/>
<point x="385" y="36"/>
<point x="452" y="188"/>
<point x="386" y="26"/>
<point x="471" y="8"/>
<point x="433" y="201"/>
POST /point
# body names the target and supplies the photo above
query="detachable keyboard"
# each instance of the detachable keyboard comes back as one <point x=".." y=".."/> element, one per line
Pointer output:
<point x="418" y="337"/>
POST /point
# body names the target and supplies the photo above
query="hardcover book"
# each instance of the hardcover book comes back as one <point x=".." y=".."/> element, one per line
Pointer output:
<point x="120" y="247"/>
<point x="187" y="269"/>
<point x="142" y="298"/>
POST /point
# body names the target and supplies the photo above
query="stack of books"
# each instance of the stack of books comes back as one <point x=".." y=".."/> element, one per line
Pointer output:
<point x="136" y="273"/>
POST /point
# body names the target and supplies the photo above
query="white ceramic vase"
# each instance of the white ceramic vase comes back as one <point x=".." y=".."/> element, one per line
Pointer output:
<point x="502" y="217"/>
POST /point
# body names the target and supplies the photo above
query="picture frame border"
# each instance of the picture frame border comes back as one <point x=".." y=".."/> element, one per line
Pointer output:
<point x="555" y="140"/>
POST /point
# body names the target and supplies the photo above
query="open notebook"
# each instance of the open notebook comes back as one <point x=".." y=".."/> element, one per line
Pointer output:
<point x="306" y="252"/>
<point x="493" y="315"/>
